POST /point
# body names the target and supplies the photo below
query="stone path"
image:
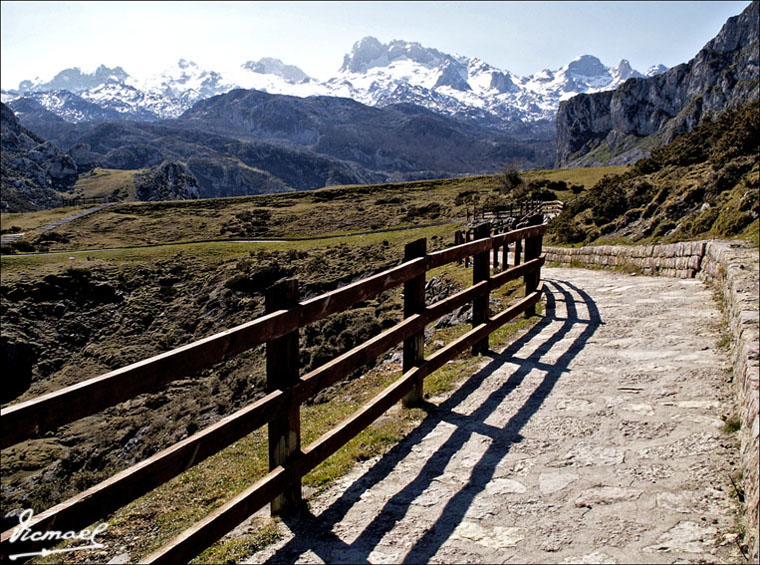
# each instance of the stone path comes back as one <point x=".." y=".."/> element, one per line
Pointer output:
<point x="8" y="238"/>
<point x="595" y="438"/>
<point x="76" y="216"/>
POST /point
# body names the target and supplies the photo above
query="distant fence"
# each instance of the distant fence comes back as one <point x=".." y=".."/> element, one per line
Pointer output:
<point x="286" y="388"/>
<point x="515" y="211"/>
<point x="82" y="201"/>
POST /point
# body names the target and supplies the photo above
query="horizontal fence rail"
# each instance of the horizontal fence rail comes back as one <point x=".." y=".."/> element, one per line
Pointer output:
<point x="515" y="211"/>
<point x="279" y="408"/>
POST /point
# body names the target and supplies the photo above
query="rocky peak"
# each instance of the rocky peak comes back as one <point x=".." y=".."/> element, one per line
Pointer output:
<point x="74" y="80"/>
<point x="724" y="74"/>
<point x="624" y="71"/>
<point x="272" y="66"/>
<point x="587" y="66"/>
<point x="655" y="70"/>
<point x="454" y="76"/>
<point x="738" y="31"/>
<point x="501" y="82"/>
<point x="368" y="52"/>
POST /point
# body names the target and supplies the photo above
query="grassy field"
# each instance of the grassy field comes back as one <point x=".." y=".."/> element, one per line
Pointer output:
<point x="26" y="221"/>
<point x="587" y="176"/>
<point x="115" y="183"/>
<point x="17" y="267"/>
<point x="339" y="210"/>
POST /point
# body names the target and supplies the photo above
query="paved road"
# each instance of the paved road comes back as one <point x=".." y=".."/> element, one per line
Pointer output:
<point x="595" y="438"/>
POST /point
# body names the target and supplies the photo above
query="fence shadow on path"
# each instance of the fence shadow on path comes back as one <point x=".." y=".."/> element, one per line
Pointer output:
<point x="315" y="532"/>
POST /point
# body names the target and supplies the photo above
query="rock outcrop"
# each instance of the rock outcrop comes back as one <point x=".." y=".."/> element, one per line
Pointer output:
<point x="622" y="126"/>
<point x="168" y="181"/>
<point x="33" y="169"/>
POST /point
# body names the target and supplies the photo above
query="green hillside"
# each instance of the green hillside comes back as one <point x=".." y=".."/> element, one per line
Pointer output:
<point x="702" y="185"/>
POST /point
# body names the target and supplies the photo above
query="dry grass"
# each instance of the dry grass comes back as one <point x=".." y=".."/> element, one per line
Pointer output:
<point x="107" y="182"/>
<point x="343" y="210"/>
<point x="154" y="519"/>
<point x="27" y="221"/>
<point x="587" y="176"/>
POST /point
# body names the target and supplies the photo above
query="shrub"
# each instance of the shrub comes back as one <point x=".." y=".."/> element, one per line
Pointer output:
<point x="509" y="179"/>
<point x="465" y="197"/>
<point x="556" y="185"/>
<point x="609" y="200"/>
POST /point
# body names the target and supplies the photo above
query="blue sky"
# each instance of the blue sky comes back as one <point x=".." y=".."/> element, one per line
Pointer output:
<point x="42" y="38"/>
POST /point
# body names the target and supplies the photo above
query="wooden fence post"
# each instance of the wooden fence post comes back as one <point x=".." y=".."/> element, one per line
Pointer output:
<point x="414" y="303"/>
<point x="282" y="372"/>
<point x="518" y="251"/>
<point x="532" y="251"/>
<point x="480" y="272"/>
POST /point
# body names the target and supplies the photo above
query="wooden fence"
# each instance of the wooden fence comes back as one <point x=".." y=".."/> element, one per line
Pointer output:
<point x="286" y="389"/>
<point x="515" y="211"/>
<point x="83" y="201"/>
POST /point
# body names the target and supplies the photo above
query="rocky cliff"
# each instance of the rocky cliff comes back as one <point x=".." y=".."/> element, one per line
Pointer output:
<point x="33" y="169"/>
<point x="168" y="181"/>
<point x="622" y="126"/>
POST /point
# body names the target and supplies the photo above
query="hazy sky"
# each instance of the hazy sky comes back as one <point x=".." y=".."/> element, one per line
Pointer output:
<point x="42" y="38"/>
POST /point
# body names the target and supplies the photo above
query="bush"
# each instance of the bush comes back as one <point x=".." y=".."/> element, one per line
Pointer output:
<point x="509" y="179"/>
<point x="465" y="197"/>
<point x="542" y="194"/>
<point x="430" y="211"/>
<point x="51" y="236"/>
<point x="556" y="185"/>
<point x="609" y="201"/>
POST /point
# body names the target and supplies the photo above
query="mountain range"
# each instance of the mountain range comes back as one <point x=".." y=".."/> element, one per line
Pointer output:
<point x="394" y="112"/>
<point x="623" y="125"/>
<point x="373" y="73"/>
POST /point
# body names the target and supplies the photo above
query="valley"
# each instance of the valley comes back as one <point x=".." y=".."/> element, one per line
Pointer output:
<point x="334" y="211"/>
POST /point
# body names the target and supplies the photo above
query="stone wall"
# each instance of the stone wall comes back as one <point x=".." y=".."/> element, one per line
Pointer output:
<point x="682" y="260"/>
<point x="733" y="268"/>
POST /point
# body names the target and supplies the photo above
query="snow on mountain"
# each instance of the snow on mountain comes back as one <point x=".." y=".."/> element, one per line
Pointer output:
<point x="373" y="73"/>
<point x="71" y="107"/>
<point x="270" y="66"/>
<point x="185" y="83"/>
<point x="656" y="70"/>
<point x="382" y="74"/>
<point x="74" y="80"/>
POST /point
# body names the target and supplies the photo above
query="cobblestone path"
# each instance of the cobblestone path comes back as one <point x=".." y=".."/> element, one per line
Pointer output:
<point x="595" y="438"/>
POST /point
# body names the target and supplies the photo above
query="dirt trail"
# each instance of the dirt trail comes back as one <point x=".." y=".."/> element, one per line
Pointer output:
<point x="595" y="438"/>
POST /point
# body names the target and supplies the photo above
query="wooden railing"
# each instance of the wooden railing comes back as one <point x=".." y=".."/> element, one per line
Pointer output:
<point x="514" y="211"/>
<point x="286" y="389"/>
<point x="84" y="200"/>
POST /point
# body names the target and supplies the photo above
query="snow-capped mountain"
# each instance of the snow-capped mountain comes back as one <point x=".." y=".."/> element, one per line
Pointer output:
<point x="382" y="74"/>
<point x="373" y="73"/>
<point x="74" y="80"/>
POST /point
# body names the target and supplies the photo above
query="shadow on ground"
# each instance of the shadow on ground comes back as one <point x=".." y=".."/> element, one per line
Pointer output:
<point x="315" y="532"/>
